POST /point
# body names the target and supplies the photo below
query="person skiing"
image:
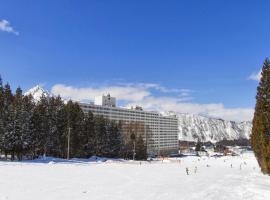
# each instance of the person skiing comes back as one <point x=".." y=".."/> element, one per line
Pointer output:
<point x="187" y="171"/>
<point x="195" y="170"/>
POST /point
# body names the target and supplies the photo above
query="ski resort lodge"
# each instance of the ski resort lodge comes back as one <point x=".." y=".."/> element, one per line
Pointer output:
<point x="160" y="132"/>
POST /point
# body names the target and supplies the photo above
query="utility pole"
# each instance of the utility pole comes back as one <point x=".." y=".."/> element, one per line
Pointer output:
<point x="68" y="147"/>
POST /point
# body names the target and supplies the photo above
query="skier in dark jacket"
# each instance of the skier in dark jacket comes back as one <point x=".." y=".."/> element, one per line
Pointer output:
<point x="187" y="171"/>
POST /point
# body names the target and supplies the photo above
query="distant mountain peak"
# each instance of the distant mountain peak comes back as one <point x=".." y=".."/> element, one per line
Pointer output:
<point x="37" y="92"/>
<point x="196" y="127"/>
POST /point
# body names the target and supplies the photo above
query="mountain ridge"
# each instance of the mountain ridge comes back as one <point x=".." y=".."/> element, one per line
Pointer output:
<point x="196" y="127"/>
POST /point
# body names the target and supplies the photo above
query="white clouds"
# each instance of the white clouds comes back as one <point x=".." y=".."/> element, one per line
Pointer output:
<point x="5" y="26"/>
<point x="216" y="110"/>
<point x="235" y="114"/>
<point x="130" y="92"/>
<point x="127" y="93"/>
<point x="167" y="99"/>
<point x="255" y="76"/>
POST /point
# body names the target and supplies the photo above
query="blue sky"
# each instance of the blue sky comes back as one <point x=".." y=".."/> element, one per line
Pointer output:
<point x="187" y="56"/>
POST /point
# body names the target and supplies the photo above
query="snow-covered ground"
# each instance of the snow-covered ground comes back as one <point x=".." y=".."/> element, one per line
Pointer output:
<point x="118" y="179"/>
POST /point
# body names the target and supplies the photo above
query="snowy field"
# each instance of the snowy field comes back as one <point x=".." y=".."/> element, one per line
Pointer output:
<point x="78" y="179"/>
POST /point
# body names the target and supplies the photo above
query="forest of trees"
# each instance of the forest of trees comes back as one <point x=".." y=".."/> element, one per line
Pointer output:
<point x="260" y="137"/>
<point x="29" y="129"/>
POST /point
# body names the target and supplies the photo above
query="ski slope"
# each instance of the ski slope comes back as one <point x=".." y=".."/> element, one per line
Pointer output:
<point x="118" y="179"/>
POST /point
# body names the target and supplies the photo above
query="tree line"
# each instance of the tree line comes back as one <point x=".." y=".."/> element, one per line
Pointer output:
<point x="30" y="128"/>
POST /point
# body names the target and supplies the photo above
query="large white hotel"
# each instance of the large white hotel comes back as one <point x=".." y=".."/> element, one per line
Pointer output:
<point x="164" y="128"/>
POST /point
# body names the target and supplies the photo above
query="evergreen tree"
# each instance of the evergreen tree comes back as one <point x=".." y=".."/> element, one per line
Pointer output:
<point x="75" y="122"/>
<point x="198" y="146"/>
<point x="1" y="83"/>
<point x="1" y="112"/>
<point x="61" y="128"/>
<point x="8" y="122"/>
<point x="26" y="116"/>
<point x="54" y="106"/>
<point x="141" y="150"/>
<point x="19" y="124"/>
<point x="100" y="138"/>
<point x="260" y="137"/>
<point x="89" y="132"/>
<point x="114" y="140"/>
<point x="36" y="128"/>
<point x="40" y="121"/>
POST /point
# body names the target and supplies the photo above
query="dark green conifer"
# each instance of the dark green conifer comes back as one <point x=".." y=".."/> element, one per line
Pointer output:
<point x="89" y="133"/>
<point x="8" y="122"/>
<point x="100" y="138"/>
<point x="260" y="137"/>
<point x="141" y="150"/>
<point x="1" y="111"/>
<point x="75" y="117"/>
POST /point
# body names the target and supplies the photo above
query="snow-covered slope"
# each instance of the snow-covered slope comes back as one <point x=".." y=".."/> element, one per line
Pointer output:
<point x="214" y="179"/>
<point x="37" y="92"/>
<point x="193" y="127"/>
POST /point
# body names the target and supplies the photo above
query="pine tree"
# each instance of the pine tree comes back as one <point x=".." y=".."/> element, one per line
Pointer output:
<point x="1" y="112"/>
<point x="114" y="139"/>
<point x="260" y="137"/>
<point x="89" y="132"/>
<point x="26" y="116"/>
<point x="100" y="138"/>
<point x="61" y="128"/>
<point x="75" y="122"/>
<point x="35" y="134"/>
<point x="52" y="113"/>
<point x="198" y="146"/>
<point x="141" y="150"/>
<point x="40" y="120"/>
<point x="1" y="83"/>
<point x="18" y="124"/>
<point x="8" y="122"/>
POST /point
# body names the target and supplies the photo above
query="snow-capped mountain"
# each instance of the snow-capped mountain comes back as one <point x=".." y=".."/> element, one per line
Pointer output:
<point x="37" y="92"/>
<point x="193" y="127"/>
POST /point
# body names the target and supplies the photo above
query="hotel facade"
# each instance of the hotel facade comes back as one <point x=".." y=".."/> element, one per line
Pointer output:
<point x="160" y="132"/>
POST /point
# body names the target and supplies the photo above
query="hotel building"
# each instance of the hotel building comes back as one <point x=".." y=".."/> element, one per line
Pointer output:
<point x="163" y="129"/>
